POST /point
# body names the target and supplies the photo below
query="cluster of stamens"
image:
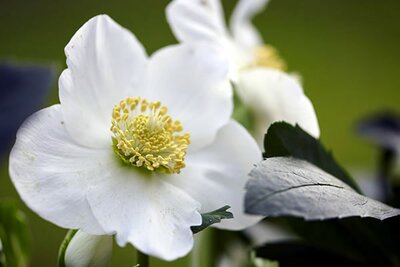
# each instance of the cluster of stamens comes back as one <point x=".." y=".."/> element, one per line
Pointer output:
<point x="268" y="56"/>
<point x="144" y="135"/>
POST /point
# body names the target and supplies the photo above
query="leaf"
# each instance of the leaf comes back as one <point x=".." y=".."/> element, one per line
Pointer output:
<point x="212" y="217"/>
<point x="63" y="247"/>
<point x="14" y="236"/>
<point x="367" y="241"/>
<point x="283" y="139"/>
<point x="293" y="187"/>
<point x="301" y="254"/>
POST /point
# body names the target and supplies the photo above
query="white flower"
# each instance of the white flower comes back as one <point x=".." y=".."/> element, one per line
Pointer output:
<point x="88" y="250"/>
<point x="255" y="68"/>
<point x="138" y="146"/>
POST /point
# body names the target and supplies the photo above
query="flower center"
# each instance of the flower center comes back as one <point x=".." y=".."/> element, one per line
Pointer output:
<point x="268" y="56"/>
<point x="144" y="135"/>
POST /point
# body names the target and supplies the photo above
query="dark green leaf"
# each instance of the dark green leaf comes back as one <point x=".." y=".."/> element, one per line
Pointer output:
<point x="283" y="140"/>
<point x="367" y="241"/>
<point x="14" y="236"/>
<point x="364" y="240"/>
<point x="301" y="254"/>
<point x="293" y="187"/>
<point x="212" y="217"/>
<point x="63" y="247"/>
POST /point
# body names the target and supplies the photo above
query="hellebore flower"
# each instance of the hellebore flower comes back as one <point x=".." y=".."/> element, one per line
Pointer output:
<point x="23" y="89"/>
<point x="138" y="146"/>
<point x="255" y="68"/>
<point x="84" y="250"/>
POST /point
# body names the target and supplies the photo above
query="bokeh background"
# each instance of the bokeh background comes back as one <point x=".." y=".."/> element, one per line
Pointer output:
<point x="346" y="51"/>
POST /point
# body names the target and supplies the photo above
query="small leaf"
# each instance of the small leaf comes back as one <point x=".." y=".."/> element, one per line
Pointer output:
<point x="292" y="187"/>
<point x="212" y="217"/>
<point x="14" y="236"/>
<point x="283" y="140"/>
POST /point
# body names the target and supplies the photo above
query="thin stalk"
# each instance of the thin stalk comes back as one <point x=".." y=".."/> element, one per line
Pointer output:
<point x="142" y="259"/>
<point x="385" y="167"/>
<point x="195" y="256"/>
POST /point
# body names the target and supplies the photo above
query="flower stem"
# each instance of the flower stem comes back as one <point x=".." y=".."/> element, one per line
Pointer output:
<point x="142" y="259"/>
<point x="195" y="256"/>
<point x="385" y="167"/>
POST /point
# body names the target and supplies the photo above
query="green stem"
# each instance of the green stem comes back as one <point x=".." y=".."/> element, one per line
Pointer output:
<point x="199" y="256"/>
<point x="142" y="259"/>
<point x="385" y="167"/>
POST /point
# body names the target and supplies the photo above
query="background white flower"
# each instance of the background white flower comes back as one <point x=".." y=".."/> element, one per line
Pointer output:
<point x="256" y="68"/>
<point x="86" y="250"/>
<point x="64" y="164"/>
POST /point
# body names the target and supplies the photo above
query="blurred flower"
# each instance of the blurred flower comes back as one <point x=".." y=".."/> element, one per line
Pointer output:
<point x="383" y="129"/>
<point x="23" y="89"/>
<point x="276" y="96"/>
<point x="255" y="68"/>
<point x="85" y="250"/>
<point x="138" y="146"/>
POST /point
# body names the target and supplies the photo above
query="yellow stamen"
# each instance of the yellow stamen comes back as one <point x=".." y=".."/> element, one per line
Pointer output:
<point x="145" y="135"/>
<point x="268" y="56"/>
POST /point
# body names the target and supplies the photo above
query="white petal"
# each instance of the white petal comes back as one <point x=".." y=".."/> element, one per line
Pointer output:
<point x="191" y="80"/>
<point x="145" y="211"/>
<point x="242" y="29"/>
<point x="276" y="96"/>
<point x="51" y="172"/>
<point x="86" y="250"/>
<point x="216" y="175"/>
<point x="196" y="20"/>
<point x="105" y="65"/>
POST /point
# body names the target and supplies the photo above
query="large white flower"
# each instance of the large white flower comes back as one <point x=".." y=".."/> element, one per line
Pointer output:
<point x="256" y="68"/>
<point x="138" y="146"/>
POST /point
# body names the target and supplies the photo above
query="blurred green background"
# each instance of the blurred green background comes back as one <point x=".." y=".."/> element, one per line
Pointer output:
<point x="346" y="51"/>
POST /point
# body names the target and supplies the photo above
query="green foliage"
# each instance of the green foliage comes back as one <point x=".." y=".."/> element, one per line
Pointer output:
<point x="291" y="187"/>
<point x="283" y="140"/>
<point x="14" y="236"/>
<point x="361" y="241"/>
<point x="301" y="254"/>
<point x="212" y="217"/>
